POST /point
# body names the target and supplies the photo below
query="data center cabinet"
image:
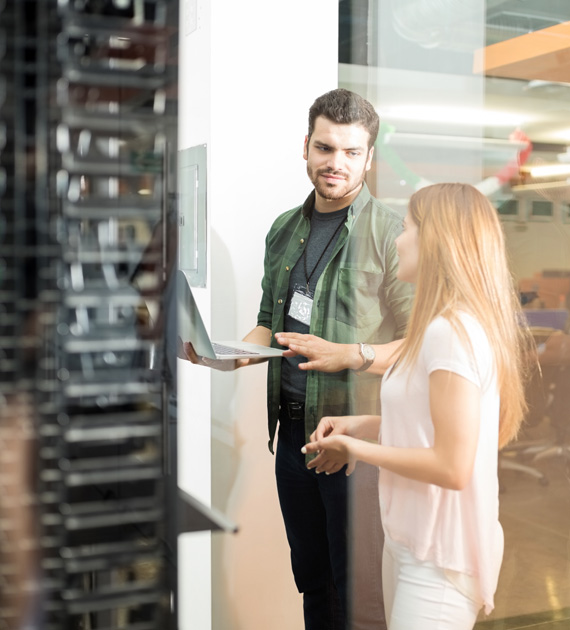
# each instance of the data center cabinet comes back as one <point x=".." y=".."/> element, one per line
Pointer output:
<point x="88" y="507"/>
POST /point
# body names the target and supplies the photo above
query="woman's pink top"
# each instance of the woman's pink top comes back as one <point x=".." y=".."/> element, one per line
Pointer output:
<point x="456" y="530"/>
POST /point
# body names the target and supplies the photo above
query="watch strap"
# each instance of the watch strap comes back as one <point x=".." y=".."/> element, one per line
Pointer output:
<point x="366" y="362"/>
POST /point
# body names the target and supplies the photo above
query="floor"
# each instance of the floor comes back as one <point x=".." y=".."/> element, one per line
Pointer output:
<point x="534" y="586"/>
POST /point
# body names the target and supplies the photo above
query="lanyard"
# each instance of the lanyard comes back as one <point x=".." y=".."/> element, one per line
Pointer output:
<point x="308" y="276"/>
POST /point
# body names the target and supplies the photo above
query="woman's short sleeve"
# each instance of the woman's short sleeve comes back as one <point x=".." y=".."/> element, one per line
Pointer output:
<point x="446" y="348"/>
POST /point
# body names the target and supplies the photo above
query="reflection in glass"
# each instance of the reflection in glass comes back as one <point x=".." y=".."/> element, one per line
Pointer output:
<point x="456" y="104"/>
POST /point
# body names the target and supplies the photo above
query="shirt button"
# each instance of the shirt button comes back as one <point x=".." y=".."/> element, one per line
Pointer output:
<point x="279" y="301"/>
<point x="302" y="240"/>
<point x="287" y="268"/>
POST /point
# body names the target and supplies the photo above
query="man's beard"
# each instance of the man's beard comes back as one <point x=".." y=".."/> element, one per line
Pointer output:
<point x="332" y="191"/>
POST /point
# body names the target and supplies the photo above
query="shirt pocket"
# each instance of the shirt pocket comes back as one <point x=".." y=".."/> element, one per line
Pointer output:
<point x="358" y="296"/>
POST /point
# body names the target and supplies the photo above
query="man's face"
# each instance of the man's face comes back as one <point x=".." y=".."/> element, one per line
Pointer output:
<point x="337" y="160"/>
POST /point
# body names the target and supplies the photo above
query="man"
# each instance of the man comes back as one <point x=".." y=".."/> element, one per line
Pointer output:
<point x="330" y="270"/>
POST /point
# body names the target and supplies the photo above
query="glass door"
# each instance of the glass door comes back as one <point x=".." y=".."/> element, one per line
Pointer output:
<point x="479" y="92"/>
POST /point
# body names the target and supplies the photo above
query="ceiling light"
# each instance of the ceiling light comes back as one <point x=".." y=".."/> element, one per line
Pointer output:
<point x="562" y="135"/>
<point x="453" y="115"/>
<point x="538" y="187"/>
<point x="456" y="142"/>
<point x="547" y="170"/>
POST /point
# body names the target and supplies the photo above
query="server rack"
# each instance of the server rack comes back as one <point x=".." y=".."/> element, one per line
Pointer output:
<point x="87" y="386"/>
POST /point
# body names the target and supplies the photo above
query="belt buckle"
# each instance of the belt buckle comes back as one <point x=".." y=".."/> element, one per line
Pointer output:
<point x="296" y="410"/>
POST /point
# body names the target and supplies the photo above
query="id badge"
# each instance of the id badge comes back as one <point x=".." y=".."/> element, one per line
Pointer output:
<point x="301" y="306"/>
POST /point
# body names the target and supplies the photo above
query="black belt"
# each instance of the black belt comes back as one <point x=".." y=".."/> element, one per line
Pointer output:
<point x="293" y="410"/>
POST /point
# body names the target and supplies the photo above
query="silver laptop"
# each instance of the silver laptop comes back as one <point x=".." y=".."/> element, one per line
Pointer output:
<point x="191" y="328"/>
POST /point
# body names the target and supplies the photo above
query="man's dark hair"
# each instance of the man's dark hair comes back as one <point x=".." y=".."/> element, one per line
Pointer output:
<point x="344" y="107"/>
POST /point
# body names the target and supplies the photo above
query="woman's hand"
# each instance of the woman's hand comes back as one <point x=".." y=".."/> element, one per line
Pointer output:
<point x="333" y="453"/>
<point x="361" y="427"/>
<point x="336" y="439"/>
<point x="332" y="425"/>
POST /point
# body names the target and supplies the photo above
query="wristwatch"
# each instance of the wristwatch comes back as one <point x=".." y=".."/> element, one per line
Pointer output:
<point x="368" y="355"/>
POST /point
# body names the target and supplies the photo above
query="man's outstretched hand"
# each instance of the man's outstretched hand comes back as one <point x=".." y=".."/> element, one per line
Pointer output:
<point x="322" y="355"/>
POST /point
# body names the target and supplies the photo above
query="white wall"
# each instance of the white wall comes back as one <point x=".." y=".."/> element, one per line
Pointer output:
<point x="248" y="73"/>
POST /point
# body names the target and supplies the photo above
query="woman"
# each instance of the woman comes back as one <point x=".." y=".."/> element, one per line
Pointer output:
<point x="452" y="399"/>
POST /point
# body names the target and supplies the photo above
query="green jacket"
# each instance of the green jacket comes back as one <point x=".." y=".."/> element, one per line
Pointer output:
<point x="357" y="299"/>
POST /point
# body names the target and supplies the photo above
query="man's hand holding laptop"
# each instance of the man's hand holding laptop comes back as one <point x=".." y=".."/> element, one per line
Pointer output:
<point x="186" y="351"/>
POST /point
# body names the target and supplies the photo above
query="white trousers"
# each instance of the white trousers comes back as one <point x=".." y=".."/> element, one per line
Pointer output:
<point x="419" y="596"/>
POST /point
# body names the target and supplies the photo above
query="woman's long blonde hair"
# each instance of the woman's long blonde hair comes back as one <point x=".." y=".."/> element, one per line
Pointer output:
<point x="463" y="267"/>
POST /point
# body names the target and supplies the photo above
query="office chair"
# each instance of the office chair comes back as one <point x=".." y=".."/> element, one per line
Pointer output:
<point x="516" y="456"/>
<point x="557" y="378"/>
<point x="548" y="397"/>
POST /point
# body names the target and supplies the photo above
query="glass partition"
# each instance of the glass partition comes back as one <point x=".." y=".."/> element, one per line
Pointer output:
<point x="478" y="92"/>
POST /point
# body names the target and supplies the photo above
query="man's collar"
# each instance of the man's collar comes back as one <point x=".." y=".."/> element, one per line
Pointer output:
<point x="309" y="204"/>
<point x="361" y="200"/>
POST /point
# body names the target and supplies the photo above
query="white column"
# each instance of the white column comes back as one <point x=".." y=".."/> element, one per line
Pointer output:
<point x="249" y="72"/>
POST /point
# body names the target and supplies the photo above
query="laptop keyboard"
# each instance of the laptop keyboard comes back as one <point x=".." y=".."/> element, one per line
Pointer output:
<point x="224" y="350"/>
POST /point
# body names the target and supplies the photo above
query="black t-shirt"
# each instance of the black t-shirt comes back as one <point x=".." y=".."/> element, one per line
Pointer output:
<point x="325" y="230"/>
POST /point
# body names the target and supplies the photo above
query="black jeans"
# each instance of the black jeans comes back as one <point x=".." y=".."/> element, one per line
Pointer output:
<point x="314" y="508"/>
